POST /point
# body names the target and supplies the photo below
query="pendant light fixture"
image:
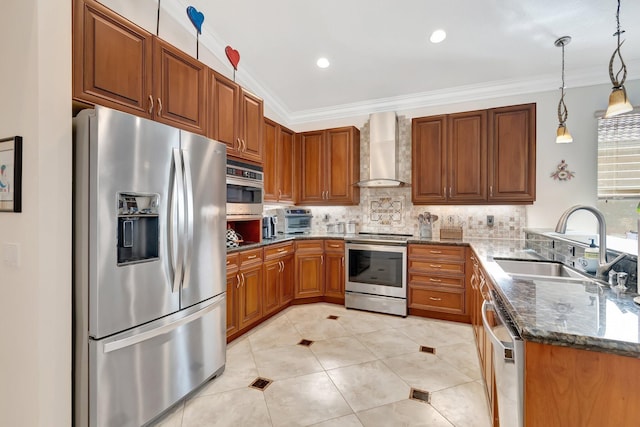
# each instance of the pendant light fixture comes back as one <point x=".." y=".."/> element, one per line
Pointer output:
<point x="562" y="135"/>
<point x="618" y="101"/>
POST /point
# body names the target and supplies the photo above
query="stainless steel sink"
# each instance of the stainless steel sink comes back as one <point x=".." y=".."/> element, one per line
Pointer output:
<point x="538" y="268"/>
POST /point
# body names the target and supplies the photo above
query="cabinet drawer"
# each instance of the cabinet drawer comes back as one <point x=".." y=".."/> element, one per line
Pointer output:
<point x="334" y="246"/>
<point x="435" y="280"/>
<point x="250" y="257"/>
<point x="437" y="251"/>
<point x="436" y="266"/>
<point x="447" y="301"/>
<point x="310" y="246"/>
<point x="232" y="263"/>
<point x="278" y="250"/>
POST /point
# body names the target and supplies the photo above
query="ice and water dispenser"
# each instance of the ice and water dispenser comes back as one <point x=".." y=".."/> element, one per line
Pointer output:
<point x="138" y="232"/>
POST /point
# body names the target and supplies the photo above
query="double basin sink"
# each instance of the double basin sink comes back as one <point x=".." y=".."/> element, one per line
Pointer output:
<point x="540" y="269"/>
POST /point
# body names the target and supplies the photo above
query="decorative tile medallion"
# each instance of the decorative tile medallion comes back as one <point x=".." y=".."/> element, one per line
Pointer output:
<point x="305" y="343"/>
<point x="260" y="383"/>
<point x="420" y="395"/>
<point x="332" y="317"/>
<point x="386" y="210"/>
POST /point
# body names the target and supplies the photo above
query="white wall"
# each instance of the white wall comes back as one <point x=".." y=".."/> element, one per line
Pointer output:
<point x="35" y="307"/>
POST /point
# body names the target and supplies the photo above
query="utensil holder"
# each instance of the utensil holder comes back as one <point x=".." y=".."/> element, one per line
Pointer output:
<point x="426" y="231"/>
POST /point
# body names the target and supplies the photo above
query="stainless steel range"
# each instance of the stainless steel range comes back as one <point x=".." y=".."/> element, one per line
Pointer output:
<point x="376" y="273"/>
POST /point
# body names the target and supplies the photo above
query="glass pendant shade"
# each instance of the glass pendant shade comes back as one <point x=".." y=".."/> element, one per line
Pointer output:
<point x="618" y="102"/>
<point x="562" y="135"/>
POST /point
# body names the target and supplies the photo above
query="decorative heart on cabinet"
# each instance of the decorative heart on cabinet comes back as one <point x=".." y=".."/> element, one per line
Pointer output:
<point x="196" y="17"/>
<point x="233" y="55"/>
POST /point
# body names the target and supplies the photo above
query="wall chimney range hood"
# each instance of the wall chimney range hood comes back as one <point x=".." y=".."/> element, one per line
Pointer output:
<point x="383" y="150"/>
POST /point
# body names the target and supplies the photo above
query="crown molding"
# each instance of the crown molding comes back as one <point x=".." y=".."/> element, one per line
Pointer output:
<point x="467" y="93"/>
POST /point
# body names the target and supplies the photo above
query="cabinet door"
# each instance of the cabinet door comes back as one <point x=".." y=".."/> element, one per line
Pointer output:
<point x="312" y="188"/>
<point x="272" y="164"/>
<point x="334" y="275"/>
<point x="251" y="122"/>
<point x="232" y="304"/>
<point x="287" y="279"/>
<point x="223" y="110"/>
<point x="341" y="152"/>
<point x="428" y="160"/>
<point x="286" y="165"/>
<point x="250" y="295"/>
<point x="180" y="91"/>
<point x="309" y="275"/>
<point x="467" y="157"/>
<point x="512" y="154"/>
<point x="112" y="60"/>
<point x="271" y="294"/>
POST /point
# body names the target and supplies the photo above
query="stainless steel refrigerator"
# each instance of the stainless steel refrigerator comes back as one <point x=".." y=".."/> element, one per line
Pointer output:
<point x="149" y="266"/>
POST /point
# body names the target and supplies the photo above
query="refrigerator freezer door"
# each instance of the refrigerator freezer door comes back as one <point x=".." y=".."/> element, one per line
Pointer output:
<point x="126" y="154"/>
<point x="205" y="218"/>
<point x="136" y="375"/>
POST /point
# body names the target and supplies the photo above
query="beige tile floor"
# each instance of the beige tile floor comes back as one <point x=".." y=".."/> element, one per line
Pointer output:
<point x="359" y="371"/>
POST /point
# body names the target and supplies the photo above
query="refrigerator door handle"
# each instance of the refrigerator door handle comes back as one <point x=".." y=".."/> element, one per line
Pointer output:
<point x="177" y="223"/>
<point x="188" y="217"/>
<point x="147" y="335"/>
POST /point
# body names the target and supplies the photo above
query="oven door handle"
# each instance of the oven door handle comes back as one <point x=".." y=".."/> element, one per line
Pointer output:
<point x="505" y="348"/>
<point x="244" y="182"/>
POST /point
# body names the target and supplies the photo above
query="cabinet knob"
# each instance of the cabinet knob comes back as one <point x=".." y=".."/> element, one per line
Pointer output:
<point x="150" y="104"/>
<point x="159" y="107"/>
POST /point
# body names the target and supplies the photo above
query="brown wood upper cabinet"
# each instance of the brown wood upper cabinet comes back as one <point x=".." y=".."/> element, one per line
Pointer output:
<point x="279" y="167"/>
<point x="330" y="165"/>
<point x="475" y="157"/>
<point x="122" y="66"/>
<point x="236" y="118"/>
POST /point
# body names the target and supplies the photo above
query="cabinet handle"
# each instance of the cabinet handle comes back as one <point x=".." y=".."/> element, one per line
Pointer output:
<point x="435" y="299"/>
<point x="343" y="261"/>
<point x="435" y="252"/>
<point x="334" y="246"/>
<point x="434" y="280"/>
<point x="281" y="250"/>
<point x="243" y="279"/>
<point x="150" y="104"/>
<point x="237" y="281"/>
<point x="435" y="265"/>
<point x="321" y="259"/>
<point x="449" y="192"/>
<point x="239" y="145"/>
<point x="228" y="262"/>
<point x="491" y="190"/>
<point x="159" y="107"/>
<point x="282" y="264"/>
<point x="279" y="194"/>
<point x="252" y="256"/>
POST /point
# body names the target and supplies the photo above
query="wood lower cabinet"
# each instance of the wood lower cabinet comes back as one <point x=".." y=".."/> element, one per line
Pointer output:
<point x="278" y="276"/>
<point x="249" y="287"/>
<point x="330" y="165"/>
<point x="279" y="166"/>
<point x="475" y="157"/>
<point x="236" y="117"/>
<point x="309" y="259"/>
<point x="437" y="281"/>
<point x="334" y="275"/>
<point x="119" y="65"/>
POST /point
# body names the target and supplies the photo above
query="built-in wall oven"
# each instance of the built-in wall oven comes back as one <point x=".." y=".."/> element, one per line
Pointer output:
<point x="245" y="189"/>
<point x="376" y="273"/>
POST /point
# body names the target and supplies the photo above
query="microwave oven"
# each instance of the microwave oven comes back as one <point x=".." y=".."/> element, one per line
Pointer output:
<point x="245" y="190"/>
<point x="293" y="220"/>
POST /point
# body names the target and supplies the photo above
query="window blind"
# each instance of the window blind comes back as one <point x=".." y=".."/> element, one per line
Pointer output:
<point x="619" y="157"/>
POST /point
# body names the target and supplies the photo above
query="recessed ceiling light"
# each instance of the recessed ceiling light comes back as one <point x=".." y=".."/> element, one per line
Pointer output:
<point x="437" y="36"/>
<point x="323" y="62"/>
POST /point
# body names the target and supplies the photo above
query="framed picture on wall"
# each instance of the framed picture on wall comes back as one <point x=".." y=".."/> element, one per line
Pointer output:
<point x="11" y="174"/>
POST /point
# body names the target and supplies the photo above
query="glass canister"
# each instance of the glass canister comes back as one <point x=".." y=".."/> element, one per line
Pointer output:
<point x="351" y="227"/>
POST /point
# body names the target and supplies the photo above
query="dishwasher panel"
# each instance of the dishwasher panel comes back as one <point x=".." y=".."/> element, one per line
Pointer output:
<point x="508" y="359"/>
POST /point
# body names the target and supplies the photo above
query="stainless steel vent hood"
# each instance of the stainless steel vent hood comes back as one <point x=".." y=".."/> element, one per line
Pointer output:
<point x="383" y="150"/>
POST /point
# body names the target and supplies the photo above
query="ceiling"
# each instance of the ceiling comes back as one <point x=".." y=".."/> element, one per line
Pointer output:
<point x="381" y="57"/>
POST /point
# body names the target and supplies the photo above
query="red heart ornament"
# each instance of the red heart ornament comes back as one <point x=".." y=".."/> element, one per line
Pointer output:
<point x="233" y="56"/>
